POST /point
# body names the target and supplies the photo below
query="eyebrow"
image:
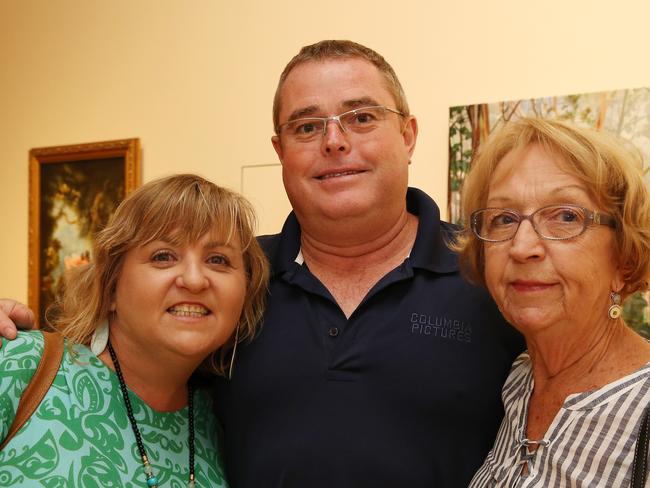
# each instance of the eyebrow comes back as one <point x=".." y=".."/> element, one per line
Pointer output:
<point x="208" y="245"/>
<point x="348" y="104"/>
<point x="561" y="192"/>
<point x="213" y="244"/>
<point x="360" y="102"/>
<point x="302" y="112"/>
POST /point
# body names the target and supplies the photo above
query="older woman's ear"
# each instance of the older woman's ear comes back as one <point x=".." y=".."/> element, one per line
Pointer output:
<point x="618" y="281"/>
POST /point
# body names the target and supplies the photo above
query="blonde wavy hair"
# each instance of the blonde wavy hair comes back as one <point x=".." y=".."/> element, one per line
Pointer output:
<point x="610" y="169"/>
<point x="181" y="209"/>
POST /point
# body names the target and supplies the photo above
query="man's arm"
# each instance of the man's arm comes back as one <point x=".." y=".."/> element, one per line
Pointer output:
<point x="12" y="315"/>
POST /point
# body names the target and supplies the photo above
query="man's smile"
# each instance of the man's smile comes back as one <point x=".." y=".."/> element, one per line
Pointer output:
<point x="339" y="174"/>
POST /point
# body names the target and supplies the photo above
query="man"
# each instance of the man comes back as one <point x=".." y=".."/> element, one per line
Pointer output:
<point x="377" y="365"/>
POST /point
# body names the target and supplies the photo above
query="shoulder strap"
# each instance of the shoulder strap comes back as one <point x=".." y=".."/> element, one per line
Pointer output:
<point x="640" y="463"/>
<point x="39" y="384"/>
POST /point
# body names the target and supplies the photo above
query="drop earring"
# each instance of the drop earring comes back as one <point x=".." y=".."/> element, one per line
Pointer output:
<point x="234" y="350"/>
<point x="615" y="310"/>
<point x="99" y="339"/>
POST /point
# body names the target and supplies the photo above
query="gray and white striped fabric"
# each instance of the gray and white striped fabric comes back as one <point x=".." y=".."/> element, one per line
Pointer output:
<point x="589" y="444"/>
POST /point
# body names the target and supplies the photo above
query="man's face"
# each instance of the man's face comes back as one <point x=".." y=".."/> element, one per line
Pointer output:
<point x="343" y="173"/>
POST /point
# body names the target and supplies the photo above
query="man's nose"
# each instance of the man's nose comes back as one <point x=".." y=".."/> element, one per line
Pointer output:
<point x="335" y="138"/>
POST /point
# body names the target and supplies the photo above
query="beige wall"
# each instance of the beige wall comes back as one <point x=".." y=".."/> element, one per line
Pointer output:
<point x="194" y="79"/>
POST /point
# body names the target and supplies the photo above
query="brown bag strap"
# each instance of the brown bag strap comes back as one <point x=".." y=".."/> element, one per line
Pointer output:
<point x="39" y="384"/>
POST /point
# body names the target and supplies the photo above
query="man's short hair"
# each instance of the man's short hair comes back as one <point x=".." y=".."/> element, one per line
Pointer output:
<point x="333" y="49"/>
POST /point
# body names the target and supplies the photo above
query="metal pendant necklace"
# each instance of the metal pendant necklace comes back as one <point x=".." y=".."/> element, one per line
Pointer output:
<point x="152" y="481"/>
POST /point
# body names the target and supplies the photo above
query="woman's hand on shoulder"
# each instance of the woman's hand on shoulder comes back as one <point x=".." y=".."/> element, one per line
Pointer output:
<point x="14" y="315"/>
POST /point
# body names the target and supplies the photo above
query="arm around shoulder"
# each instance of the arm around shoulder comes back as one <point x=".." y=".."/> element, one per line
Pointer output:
<point x="14" y="315"/>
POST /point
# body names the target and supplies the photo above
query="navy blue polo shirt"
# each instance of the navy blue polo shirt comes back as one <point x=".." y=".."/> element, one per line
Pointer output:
<point x="406" y="392"/>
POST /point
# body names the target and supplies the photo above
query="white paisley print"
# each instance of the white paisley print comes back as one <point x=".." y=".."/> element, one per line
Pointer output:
<point x="80" y="435"/>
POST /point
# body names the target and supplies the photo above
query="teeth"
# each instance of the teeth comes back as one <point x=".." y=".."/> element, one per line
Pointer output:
<point x="187" y="310"/>
<point x="334" y="175"/>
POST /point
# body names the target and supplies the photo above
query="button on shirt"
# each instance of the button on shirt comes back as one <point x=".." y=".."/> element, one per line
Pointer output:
<point x="404" y="392"/>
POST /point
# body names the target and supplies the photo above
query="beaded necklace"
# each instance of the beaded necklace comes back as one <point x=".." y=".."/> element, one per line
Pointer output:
<point x="152" y="481"/>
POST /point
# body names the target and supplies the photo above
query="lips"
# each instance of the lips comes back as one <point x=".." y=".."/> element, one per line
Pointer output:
<point x="530" y="286"/>
<point x="337" y="174"/>
<point x="188" y="310"/>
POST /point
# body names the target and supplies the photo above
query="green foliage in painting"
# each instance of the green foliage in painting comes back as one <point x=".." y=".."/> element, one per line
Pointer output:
<point x="460" y="146"/>
<point x="635" y="314"/>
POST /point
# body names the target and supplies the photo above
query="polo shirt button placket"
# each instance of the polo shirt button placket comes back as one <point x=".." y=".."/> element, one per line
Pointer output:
<point x="333" y="331"/>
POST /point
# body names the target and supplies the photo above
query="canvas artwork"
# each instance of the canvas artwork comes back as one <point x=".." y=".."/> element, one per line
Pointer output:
<point x="73" y="192"/>
<point x="625" y="112"/>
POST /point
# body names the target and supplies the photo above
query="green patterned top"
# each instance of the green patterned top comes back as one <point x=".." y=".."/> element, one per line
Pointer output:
<point x="80" y="436"/>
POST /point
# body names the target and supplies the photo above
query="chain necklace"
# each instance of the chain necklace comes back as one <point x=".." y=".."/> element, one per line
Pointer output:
<point x="152" y="481"/>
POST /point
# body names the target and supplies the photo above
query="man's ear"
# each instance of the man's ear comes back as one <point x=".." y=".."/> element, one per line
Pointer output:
<point x="277" y="145"/>
<point x="410" y="134"/>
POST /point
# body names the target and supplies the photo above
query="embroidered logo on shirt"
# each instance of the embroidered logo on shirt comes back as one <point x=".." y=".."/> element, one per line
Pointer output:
<point x="444" y="327"/>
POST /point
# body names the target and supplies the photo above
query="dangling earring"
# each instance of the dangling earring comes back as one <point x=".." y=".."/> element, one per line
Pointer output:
<point x="234" y="350"/>
<point x="99" y="339"/>
<point x="615" y="310"/>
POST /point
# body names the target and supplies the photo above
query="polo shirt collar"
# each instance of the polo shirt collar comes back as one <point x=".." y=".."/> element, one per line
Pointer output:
<point x="429" y="250"/>
<point x="283" y="256"/>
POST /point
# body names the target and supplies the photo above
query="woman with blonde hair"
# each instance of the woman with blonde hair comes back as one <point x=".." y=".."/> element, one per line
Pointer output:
<point x="560" y="235"/>
<point x="177" y="279"/>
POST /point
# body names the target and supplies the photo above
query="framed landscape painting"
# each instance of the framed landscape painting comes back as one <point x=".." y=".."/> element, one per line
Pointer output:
<point x="73" y="190"/>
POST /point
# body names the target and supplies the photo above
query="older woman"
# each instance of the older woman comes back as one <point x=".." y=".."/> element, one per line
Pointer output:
<point x="560" y="221"/>
<point x="177" y="280"/>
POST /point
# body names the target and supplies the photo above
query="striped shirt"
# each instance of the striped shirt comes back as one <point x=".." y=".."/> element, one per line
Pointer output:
<point x="590" y="443"/>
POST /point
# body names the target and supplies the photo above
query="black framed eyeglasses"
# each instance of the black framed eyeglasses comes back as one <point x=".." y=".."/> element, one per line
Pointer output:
<point x="554" y="222"/>
<point x="359" y="120"/>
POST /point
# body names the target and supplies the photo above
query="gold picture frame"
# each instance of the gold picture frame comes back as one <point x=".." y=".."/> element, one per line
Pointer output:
<point x="73" y="190"/>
